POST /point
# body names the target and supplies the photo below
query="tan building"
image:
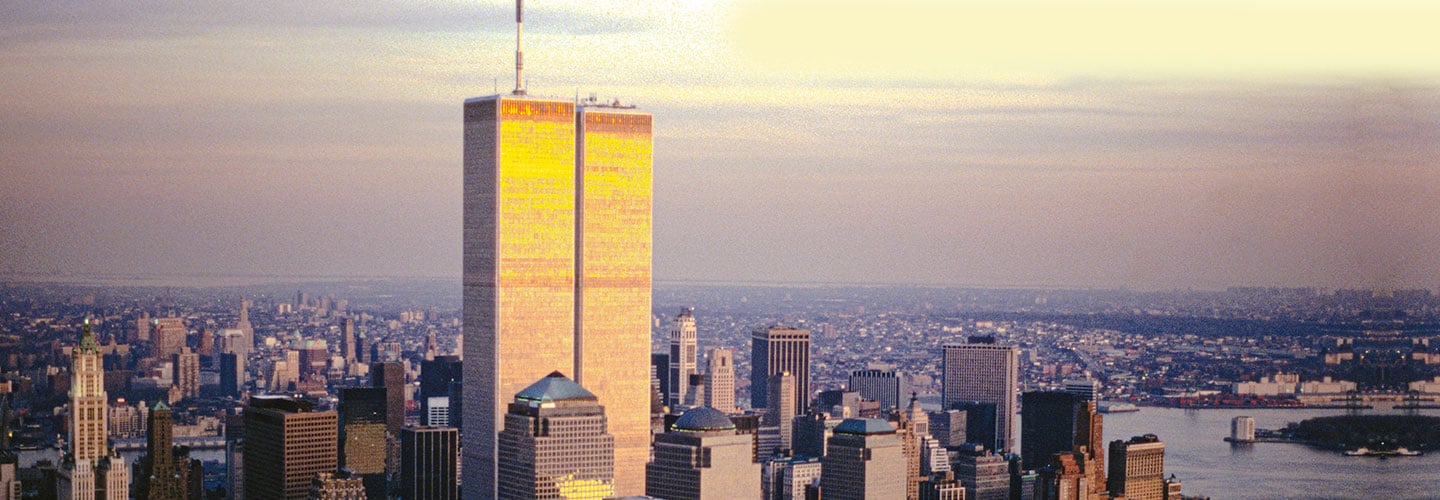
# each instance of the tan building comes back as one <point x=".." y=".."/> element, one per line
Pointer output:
<point x="90" y="470"/>
<point x="328" y="486"/>
<point x="865" y="460"/>
<point x="556" y="444"/>
<point x="187" y="372"/>
<point x="720" y="379"/>
<point x="703" y="458"/>
<point x="776" y="350"/>
<point x="286" y="444"/>
<point x="169" y="335"/>
<point x="1137" y="468"/>
<point x="683" y="357"/>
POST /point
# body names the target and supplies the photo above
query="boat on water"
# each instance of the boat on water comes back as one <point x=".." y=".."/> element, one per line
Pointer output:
<point x="1366" y="452"/>
<point x="1118" y="408"/>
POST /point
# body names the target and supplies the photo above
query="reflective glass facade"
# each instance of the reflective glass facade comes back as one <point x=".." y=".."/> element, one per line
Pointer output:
<point x="612" y="293"/>
<point x="519" y="262"/>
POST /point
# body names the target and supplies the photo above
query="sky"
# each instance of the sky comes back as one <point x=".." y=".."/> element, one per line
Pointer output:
<point x="1141" y="144"/>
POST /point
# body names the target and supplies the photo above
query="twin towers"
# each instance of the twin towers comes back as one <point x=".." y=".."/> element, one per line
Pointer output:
<point x="557" y="259"/>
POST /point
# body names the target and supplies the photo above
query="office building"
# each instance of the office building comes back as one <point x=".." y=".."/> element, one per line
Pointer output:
<point x="776" y="350"/>
<point x="981" y="370"/>
<point x="429" y="463"/>
<point x="364" y="436"/>
<point x="864" y="460"/>
<point x="660" y="368"/>
<point x="437" y="376"/>
<point x="232" y="374"/>
<point x="160" y="478"/>
<point x="235" y="457"/>
<point x="206" y="346"/>
<point x="348" y="344"/>
<point x="437" y="412"/>
<point x="811" y="432"/>
<point x="985" y="474"/>
<point x="720" y="379"/>
<point x="1087" y="389"/>
<point x="391" y="377"/>
<point x="786" y="478"/>
<point x="169" y="335"/>
<point x="246" y="343"/>
<point x="186" y="372"/>
<point x="91" y="469"/>
<point x="948" y="427"/>
<point x="885" y="386"/>
<point x="683" y="356"/>
<point x="556" y="443"/>
<point x="782" y="411"/>
<point x="1049" y="418"/>
<point x="557" y="256"/>
<point x="912" y="426"/>
<point x="1137" y="468"/>
<point x="9" y="476"/>
<point x="703" y="457"/>
<point x="287" y="443"/>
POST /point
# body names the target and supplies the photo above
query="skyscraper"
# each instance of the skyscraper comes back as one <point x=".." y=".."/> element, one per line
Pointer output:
<point x="364" y="436"/>
<point x="981" y="370"/>
<point x="429" y="457"/>
<point x="782" y="411"/>
<point x="683" y="352"/>
<point x="1049" y="428"/>
<point x="1137" y="468"/>
<point x="703" y="458"/>
<point x="232" y="374"/>
<point x="161" y="480"/>
<point x="169" y="335"/>
<point x="864" y="460"/>
<point x="776" y="350"/>
<point x="985" y="474"/>
<point x="286" y="444"/>
<point x="186" y="372"/>
<point x="555" y="444"/>
<point x="720" y="379"/>
<point x="91" y="470"/>
<point x="884" y="386"/>
<point x="557" y="246"/>
<point x="347" y="340"/>
<point x="391" y="377"/>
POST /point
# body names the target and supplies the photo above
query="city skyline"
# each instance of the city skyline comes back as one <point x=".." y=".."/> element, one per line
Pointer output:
<point x="212" y="140"/>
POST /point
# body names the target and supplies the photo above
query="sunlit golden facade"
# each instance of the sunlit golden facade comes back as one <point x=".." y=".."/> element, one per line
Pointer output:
<point x="612" y="293"/>
<point x="519" y="262"/>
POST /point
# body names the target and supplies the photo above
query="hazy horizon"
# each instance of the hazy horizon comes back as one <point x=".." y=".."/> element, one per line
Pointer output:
<point x="1091" y="145"/>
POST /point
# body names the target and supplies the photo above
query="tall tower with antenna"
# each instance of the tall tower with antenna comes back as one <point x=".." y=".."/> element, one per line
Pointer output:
<point x="557" y="256"/>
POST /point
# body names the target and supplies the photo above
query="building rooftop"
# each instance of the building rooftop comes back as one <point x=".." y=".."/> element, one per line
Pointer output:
<point x="864" y="426"/>
<point x="554" y="387"/>
<point x="704" y="418"/>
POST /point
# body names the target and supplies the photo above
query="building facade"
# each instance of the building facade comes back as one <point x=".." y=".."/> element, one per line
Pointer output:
<point x="720" y="379"/>
<point x="683" y="356"/>
<point x="981" y="370"/>
<point x="556" y="444"/>
<point x="429" y="463"/>
<point x="865" y="460"/>
<point x="703" y="457"/>
<point x="286" y="444"/>
<point x="776" y="350"/>
<point x="1137" y="468"/>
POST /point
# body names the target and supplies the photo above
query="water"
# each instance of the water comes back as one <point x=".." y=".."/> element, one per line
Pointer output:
<point x="1195" y="451"/>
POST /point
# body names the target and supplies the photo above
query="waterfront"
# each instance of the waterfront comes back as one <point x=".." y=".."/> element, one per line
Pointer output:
<point x="1195" y="451"/>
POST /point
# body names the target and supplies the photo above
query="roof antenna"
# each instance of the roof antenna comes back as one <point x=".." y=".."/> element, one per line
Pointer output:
<point x="519" y="55"/>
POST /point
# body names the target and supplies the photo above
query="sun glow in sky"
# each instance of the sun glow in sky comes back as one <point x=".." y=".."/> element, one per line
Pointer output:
<point x="1148" y="144"/>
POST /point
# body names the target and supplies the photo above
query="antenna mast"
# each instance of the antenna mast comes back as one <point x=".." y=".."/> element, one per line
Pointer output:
<point x="519" y="55"/>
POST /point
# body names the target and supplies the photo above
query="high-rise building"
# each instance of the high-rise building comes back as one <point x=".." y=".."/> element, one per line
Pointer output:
<point x="9" y="476"/>
<point x="437" y="412"/>
<point x="1049" y="418"/>
<point x="286" y="444"/>
<point x="885" y="386"/>
<point x="186" y="372"/>
<point x="775" y="350"/>
<point x="347" y="340"/>
<point x="206" y="347"/>
<point x="556" y="444"/>
<point x="864" y="460"/>
<point x="247" y="330"/>
<point x="1087" y="389"/>
<point x="364" y="436"/>
<point x="437" y="376"/>
<point x="232" y="374"/>
<point x="703" y="458"/>
<point x="786" y="478"/>
<point x="948" y="427"/>
<point x="912" y="426"/>
<point x="169" y="335"/>
<point x="391" y="377"/>
<point x="161" y="479"/>
<point x="429" y="463"/>
<point x="782" y="411"/>
<point x="557" y="255"/>
<point x="660" y="365"/>
<point x="91" y="470"/>
<point x="683" y="353"/>
<point x="1137" y="468"/>
<point x="720" y="379"/>
<point x="235" y="456"/>
<point x="985" y="474"/>
<point x="981" y="370"/>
